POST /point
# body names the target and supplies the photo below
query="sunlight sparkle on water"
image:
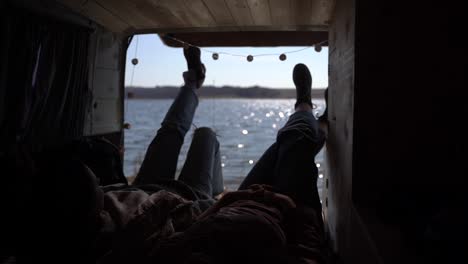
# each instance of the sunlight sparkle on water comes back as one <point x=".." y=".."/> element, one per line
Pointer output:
<point x="274" y="125"/>
<point x="320" y="176"/>
<point x="245" y="132"/>
<point x="238" y="149"/>
<point x="318" y="165"/>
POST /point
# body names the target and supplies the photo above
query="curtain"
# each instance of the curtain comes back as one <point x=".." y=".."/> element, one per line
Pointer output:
<point x="44" y="77"/>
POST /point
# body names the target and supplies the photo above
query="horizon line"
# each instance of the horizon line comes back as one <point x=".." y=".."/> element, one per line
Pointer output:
<point x="218" y="86"/>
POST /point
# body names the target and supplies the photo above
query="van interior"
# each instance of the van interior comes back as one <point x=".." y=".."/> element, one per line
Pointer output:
<point x="395" y="182"/>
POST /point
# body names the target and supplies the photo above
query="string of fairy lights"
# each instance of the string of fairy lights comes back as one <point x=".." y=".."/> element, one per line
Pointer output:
<point x="215" y="55"/>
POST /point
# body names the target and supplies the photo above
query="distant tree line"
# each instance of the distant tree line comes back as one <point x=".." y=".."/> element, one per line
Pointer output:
<point x="162" y="92"/>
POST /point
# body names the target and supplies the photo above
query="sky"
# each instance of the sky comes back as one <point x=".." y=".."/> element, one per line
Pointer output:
<point x="160" y="65"/>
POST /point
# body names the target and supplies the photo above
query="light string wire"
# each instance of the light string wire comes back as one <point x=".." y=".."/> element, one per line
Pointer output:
<point x="238" y="55"/>
<point x="241" y="55"/>
<point x="134" y="65"/>
<point x="126" y="110"/>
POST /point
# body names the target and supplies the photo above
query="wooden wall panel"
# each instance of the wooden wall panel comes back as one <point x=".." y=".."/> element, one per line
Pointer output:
<point x="105" y="113"/>
<point x="338" y="202"/>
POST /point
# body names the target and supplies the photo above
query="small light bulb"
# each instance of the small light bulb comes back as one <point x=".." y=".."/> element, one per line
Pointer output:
<point x="318" y="47"/>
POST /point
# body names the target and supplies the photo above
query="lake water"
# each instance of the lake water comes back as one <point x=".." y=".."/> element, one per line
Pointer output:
<point x="245" y="129"/>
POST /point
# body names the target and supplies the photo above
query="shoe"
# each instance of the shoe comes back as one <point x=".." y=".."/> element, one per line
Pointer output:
<point x="303" y="82"/>
<point x="192" y="56"/>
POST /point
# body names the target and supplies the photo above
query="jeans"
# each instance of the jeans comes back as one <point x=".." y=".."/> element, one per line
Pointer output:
<point x="202" y="168"/>
<point x="288" y="164"/>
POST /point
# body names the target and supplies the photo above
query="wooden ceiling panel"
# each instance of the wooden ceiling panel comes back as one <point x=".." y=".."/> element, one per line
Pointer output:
<point x="200" y="13"/>
<point x="220" y="12"/>
<point x="179" y="10"/>
<point x="280" y="12"/>
<point x="103" y="16"/>
<point x="128" y="12"/>
<point x="302" y="12"/>
<point x="146" y="16"/>
<point x="325" y="8"/>
<point x="73" y="4"/>
<point x="241" y="12"/>
<point x="161" y="11"/>
<point x="260" y="10"/>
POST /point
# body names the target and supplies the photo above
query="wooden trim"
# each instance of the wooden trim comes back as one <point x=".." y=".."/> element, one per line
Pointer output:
<point x="250" y="38"/>
<point x="230" y="29"/>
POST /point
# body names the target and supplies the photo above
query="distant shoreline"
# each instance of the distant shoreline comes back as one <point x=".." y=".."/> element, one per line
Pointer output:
<point x="224" y="92"/>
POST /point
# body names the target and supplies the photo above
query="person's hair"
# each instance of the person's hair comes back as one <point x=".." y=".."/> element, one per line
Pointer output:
<point x="65" y="207"/>
<point x="102" y="157"/>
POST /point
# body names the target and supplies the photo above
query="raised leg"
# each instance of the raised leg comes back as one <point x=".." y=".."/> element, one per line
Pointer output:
<point x="295" y="171"/>
<point x="202" y="169"/>
<point x="289" y="165"/>
<point x="162" y="154"/>
<point x="263" y="171"/>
